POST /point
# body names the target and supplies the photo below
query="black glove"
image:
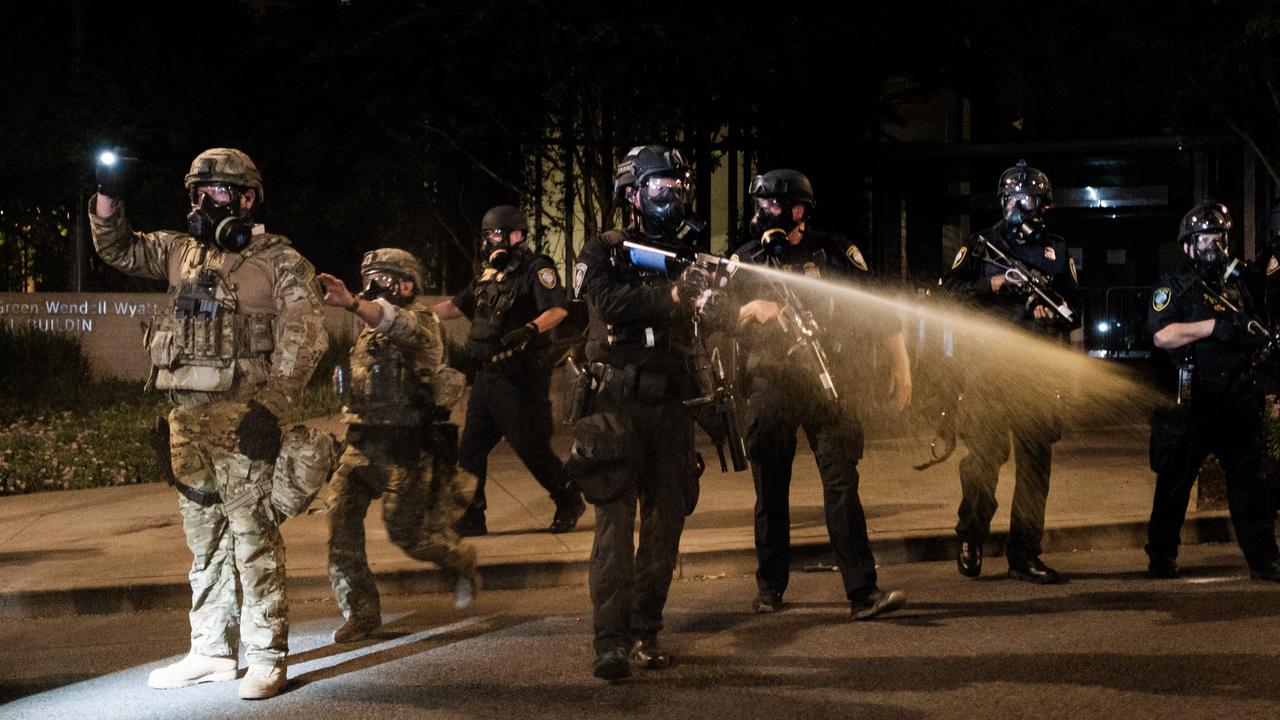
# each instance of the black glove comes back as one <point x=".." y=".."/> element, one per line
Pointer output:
<point x="1227" y="329"/>
<point x="114" y="180"/>
<point x="519" y="336"/>
<point x="259" y="433"/>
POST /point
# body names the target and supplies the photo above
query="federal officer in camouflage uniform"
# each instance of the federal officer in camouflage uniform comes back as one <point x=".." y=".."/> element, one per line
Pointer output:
<point x="239" y="339"/>
<point x="399" y="443"/>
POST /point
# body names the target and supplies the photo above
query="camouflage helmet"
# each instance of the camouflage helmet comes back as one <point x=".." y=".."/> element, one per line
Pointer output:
<point x="225" y="165"/>
<point x="1207" y="218"/>
<point x="789" y="184"/>
<point x="504" y="217"/>
<point x="400" y="262"/>
<point x="1022" y="178"/>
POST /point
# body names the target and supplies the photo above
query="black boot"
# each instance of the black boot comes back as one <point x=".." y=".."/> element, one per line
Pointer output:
<point x="472" y="524"/>
<point x="1032" y="570"/>
<point x="969" y="559"/>
<point x="612" y="664"/>
<point x="569" y="507"/>
<point x="646" y="654"/>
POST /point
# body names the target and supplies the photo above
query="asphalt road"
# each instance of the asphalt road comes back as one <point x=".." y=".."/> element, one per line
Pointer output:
<point x="1110" y="643"/>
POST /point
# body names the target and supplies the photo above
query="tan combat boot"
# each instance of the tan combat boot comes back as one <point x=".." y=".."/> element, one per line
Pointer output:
<point x="262" y="682"/>
<point x="193" y="669"/>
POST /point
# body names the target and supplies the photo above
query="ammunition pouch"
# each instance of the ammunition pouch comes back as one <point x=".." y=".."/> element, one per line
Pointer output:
<point x="306" y="459"/>
<point x="447" y="387"/>
<point x="1171" y="427"/>
<point x="600" y="463"/>
<point x="199" y="353"/>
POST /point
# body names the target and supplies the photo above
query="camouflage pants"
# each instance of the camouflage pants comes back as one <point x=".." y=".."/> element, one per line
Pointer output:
<point x="421" y="502"/>
<point x="237" y="553"/>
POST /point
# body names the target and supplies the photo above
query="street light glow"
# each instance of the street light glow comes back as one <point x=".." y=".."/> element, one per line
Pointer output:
<point x="1104" y="326"/>
<point x="107" y="157"/>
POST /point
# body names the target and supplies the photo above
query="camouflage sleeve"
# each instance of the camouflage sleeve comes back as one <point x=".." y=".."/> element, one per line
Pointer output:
<point x="414" y="328"/>
<point x="141" y="254"/>
<point x="300" y="335"/>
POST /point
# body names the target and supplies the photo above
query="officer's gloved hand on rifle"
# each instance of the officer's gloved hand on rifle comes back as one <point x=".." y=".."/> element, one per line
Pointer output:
<point x="692" y="287"/>
<point x="259" y="433"/>
<point x="518" y="337"/>
<point x="1239" y="331"/>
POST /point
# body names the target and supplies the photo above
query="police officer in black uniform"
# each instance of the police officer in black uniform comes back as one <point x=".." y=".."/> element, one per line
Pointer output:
<point x="513" y="304"/>
<point x="635" y="445"/>
<point x="996" y="406"/>
<point x="785" y="393"/>
<point x="1201" y="314"/>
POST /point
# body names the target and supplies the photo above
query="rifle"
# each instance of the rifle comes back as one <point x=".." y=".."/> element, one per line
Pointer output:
<point x="716" y="407"/>
<point x="1252" y="325"/>
<point x="806" y="335"/>
<point x="1031" y="282"/>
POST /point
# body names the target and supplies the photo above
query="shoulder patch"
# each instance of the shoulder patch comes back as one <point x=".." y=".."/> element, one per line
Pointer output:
<point x="1160" y="299"/>
<point x="1071" y="265"/>
<point x="579" y="272"/>
<point x="548" y="278"/>
<point x="855" y="256"/>
<point x="1272" y="266"/>
<point x="1050" y="253"/>
<point x="960" y="254"/>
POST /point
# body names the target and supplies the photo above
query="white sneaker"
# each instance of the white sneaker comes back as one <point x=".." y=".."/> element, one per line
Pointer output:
<point x="262" y="682"/>
<point x="193" y="669"/>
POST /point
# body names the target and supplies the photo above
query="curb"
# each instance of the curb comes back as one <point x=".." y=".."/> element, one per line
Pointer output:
<point x="920" y="546"/>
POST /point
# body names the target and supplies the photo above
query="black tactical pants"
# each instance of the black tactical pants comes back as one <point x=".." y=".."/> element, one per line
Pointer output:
<point x="629" y="583"/>
<point x="989" y="422"/>
<point x="1232" y="431"/>
<point x="775" y="410"/>
<point x="519" y="409"/>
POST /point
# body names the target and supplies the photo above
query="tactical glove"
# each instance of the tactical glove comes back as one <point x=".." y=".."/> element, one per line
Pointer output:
<point x="519" y="336"/>
<point x="114" y="180"/>
<point x="259" y="433"/>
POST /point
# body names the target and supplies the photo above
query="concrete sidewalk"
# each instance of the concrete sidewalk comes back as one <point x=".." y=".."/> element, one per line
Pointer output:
<point x="115" y="549"/>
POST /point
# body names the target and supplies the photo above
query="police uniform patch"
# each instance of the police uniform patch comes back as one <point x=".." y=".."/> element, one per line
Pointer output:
<point x="1049" y="253"/>
<point x="855" y="257"/>
<point x="964" y="250"/>
<point x="1160" y="299"/>
<point x="1272" y="266"/>
<point x="548" y="278"/>
<point x="488" y="274"/>
<point x="579" y="272"/>
<point x="1071" y="265"/>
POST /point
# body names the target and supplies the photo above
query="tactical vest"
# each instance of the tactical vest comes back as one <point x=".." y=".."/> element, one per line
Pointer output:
<point x="660" y="344"/>
<point x="384" y="388"/>
<point x="211" y="322"/>
<point x="496" y="293"/>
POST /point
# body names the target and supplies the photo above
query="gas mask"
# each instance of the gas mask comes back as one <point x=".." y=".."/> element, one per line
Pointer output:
<point x="496" y="246"/>
<point x="662" y="204"/>
<point x="1210" y="256"/>
<point x="765" y="219"/>
<point x="382" y="284"/>
<point x="1024" y="217"/>
<point x="214" y="223"/>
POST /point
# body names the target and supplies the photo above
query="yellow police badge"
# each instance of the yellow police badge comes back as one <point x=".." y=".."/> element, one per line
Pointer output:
<point x="1160" y="299"/>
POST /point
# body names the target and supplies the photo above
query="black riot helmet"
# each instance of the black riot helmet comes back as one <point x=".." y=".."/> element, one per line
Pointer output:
<point x="1203" y="233"/>
<point x="495" y="233"/>
<point x="663" y="182"/>
<point x="774" y="195"/>
<point x="1024" y="193"/>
